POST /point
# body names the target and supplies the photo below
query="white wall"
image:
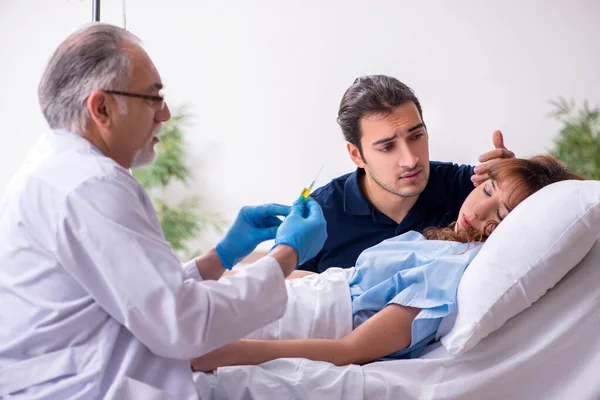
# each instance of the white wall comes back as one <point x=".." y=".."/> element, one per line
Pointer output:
<point x="264" y="78"/>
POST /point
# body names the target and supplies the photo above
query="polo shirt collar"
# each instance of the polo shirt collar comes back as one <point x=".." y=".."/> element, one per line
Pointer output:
<point x="356" y="203"/>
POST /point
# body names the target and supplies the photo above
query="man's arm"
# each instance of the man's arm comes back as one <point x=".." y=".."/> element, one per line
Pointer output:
<point x="115" y="252"/>
<point x="210" y="267"/>
<point x="312" y="265"/>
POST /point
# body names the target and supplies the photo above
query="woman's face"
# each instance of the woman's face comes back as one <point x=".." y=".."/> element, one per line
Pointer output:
<point x="487" y="202"/>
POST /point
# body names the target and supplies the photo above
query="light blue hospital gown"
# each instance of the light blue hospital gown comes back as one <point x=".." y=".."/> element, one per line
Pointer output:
<point x="411" y="271"/>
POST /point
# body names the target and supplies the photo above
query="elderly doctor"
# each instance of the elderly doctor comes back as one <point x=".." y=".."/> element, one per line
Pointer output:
<point x="93" y="302"/>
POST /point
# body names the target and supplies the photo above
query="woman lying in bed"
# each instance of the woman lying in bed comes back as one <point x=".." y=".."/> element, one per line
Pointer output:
<point x="399" y="290"/>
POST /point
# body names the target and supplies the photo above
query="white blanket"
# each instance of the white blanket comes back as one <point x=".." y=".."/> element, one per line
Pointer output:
<point x="550" y="351"/>
<point x="319" y="307"/>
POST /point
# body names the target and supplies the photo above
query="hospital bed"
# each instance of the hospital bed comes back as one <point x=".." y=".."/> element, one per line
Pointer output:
<point x="550" y="351"/>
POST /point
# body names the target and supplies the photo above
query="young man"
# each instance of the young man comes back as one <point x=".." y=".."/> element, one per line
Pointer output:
<point x="395" y="188"/>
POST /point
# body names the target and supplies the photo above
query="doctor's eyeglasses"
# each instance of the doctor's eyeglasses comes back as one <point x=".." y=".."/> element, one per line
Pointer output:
<point x="155" y="100"/>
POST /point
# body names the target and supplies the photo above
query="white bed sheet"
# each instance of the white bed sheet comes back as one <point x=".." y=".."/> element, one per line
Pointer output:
<point x="549" y="351"/>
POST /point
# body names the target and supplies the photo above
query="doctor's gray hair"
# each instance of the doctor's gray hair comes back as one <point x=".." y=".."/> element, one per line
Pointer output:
<point x="92" y="58"/>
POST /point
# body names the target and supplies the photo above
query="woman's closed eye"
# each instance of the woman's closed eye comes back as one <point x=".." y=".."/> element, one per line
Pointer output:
<point x="488" y="193"/>
<point x="486" y="190"/>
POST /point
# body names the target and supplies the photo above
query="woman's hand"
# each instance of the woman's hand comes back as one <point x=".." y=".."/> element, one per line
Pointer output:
<point x="230" y="354"/>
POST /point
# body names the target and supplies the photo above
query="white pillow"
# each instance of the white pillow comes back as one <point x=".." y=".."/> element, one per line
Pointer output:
<point x="528" y="253"/>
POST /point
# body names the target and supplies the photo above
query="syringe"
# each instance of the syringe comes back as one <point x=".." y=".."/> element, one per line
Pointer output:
<point x="306" y="191"/>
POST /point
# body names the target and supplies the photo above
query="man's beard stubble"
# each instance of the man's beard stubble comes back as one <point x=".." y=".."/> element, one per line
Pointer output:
<point x="401" y="192"/>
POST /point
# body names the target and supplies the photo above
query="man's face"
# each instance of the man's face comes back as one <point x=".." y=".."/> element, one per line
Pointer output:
<point x="395" y="151"/>
<point x="138" y="127"/>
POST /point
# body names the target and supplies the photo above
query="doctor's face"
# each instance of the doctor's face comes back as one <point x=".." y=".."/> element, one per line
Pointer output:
<point x="140" y="125"/>
<point x="485" y="207"/>
<point x="395" y="151"/>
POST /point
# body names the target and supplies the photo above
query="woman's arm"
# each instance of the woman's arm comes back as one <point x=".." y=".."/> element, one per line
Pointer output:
<point x="300" y="274"/>
<point x="293" y="275"/>
<point x="386" y="332"/>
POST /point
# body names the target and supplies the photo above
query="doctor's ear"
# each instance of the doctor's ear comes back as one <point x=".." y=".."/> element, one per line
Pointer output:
<point x="99" y="107"/>
<point x="355" y="155"/>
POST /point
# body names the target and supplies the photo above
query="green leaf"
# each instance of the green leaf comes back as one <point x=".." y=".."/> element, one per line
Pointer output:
<point x="578" y="141"/>
<point x="182" y="222"/>
<point x="170" y="163"/>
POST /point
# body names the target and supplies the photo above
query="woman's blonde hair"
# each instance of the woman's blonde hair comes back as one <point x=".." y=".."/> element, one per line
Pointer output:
<point x="527" y="176"/>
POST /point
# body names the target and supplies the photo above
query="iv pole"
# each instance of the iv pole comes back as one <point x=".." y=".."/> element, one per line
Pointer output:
<point x="96" y="10"/>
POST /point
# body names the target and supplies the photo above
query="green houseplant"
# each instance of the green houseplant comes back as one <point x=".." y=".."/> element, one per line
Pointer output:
<point x="180" y="222"/>
<point x="578" y="142"/>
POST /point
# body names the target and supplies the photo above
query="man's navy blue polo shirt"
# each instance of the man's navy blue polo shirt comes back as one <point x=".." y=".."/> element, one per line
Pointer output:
<point x="354" y="225"/>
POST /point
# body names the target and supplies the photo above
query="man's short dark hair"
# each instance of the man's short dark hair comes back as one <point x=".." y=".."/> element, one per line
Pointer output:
<point x="371" y="94"/>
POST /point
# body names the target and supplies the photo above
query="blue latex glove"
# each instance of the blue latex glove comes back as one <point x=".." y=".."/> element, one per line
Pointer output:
<point x="252" y="226"/>
<point x="304" y="229"/>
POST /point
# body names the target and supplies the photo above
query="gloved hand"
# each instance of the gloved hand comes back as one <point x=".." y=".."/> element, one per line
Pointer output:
<point x="304" y="229"/>
<point x="252" y="226"/>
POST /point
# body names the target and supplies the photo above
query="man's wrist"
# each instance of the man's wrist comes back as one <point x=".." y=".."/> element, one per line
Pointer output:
<point x="286" y="256"/>
<point x="210" y="265"/>
<point x="228" y="265"/>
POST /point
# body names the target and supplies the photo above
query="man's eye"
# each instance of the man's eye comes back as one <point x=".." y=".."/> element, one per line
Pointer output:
<point x="417" y="136"/>
<point x="386" y="148"/>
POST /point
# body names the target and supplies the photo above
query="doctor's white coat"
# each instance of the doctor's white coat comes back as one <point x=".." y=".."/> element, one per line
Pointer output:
<point x="93" y="302"/>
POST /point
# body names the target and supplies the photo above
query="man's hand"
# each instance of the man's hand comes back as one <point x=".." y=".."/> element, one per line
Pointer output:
<point x="490" y="158"/>
<point x="304" y="230"/>
<point x="252" y="226"/>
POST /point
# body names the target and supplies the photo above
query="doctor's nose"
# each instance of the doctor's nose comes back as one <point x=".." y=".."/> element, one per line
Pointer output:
<point x="163" y="114"/>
